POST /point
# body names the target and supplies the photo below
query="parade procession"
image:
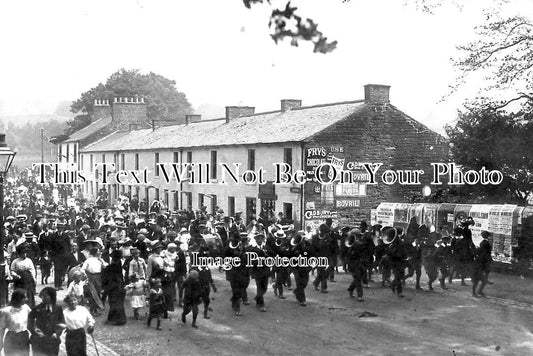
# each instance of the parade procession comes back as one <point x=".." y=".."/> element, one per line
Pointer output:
<point x="258" y="177"/>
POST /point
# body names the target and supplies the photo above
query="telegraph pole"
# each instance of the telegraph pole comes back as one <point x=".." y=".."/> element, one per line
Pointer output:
<point x="42" y="145"/>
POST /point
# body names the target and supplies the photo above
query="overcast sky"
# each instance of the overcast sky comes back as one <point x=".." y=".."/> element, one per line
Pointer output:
<point x="220" y="53"/>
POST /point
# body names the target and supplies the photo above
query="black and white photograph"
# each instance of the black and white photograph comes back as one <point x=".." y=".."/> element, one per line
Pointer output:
<point x="266" y="177"/>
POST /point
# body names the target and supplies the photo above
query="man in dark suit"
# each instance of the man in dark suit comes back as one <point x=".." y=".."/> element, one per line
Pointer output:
<point x="60" y="248"/>
<point x="322" y="246"/>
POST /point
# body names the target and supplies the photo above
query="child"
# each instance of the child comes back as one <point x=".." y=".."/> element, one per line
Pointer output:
<point x="192" y="293"/>
<point x="46" y="267"/>
<point x="76" y="287"/>
<point x="206" y="282"/>
<point x="138" y="288"/>
<point x="156" y="302"/>
<point x="77" y="318"/>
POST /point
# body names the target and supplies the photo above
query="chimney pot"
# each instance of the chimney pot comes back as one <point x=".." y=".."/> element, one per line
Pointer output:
<point x="377" y="93"/>
<point x="233" y="112"/>
<point x="289" y="104"/>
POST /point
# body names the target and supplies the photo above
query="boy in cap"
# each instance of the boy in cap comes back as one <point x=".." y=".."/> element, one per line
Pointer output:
<point x="192" y="292"/>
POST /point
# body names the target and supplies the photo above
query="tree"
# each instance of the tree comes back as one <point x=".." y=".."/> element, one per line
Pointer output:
<point x="502" y="49"/>
<point x="496" y="140"/>
<point x="285" y="23"/>
<point x="164" y="101"/>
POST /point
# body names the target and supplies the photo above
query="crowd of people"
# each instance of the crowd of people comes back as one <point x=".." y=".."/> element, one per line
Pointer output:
<point x="142" y="253"/>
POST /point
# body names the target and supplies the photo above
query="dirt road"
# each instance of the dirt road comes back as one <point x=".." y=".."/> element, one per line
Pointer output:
<point x="423" y="323"/>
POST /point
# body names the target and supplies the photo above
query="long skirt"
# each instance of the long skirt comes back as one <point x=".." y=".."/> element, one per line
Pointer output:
<point x="76" y="342"/>
<point x="117" y="314"/>
<point x="169" y="291"/>
<point x="17" y="344"/>
<point x="27" y="283"/>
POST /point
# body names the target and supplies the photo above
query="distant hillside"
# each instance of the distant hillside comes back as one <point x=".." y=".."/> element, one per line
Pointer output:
<point x="25" y="137"/>
<point x="24" y="119"/>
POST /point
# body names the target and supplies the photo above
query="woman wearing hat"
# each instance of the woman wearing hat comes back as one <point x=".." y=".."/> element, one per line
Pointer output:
<point x="168" y="282"/>
<point x="155" y="263"/>
<point x="46" y="323"/>
<point x="113" y="284"/>
<point x="93" y="267"/>
<point x="23" y="273"/>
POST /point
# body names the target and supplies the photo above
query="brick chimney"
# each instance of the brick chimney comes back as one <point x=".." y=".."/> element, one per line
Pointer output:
<point x="192" y="118"/>
<point x="233" y="112"/>
<point x="101" y="109"/>
<point x="377" y="93"/>
<point x="126" y="111"/>
<point x="289" y="104"/>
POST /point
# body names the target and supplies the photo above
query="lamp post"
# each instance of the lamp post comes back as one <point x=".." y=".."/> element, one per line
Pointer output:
<point x="6" y="158"/>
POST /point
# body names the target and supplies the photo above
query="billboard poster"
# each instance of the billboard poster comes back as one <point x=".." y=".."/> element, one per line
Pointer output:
<point x="480" y="214"/>
<point x="315" y="218"/>
<point x="385" y="214"/>
<point x="429" y="214"/>
<point x="417" y="210"/>
<point x="401" y="215"/>
<point x="461" y="212"/>
<point x="445" y="217"/>
<point x="346" y="197"/>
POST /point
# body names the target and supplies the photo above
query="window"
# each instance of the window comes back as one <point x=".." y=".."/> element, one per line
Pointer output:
<point x="136" y="161"/>
<point x="116" y="190"/>
<point x="60" y="153"/>
<point x="122" y="161"/>
<point x="75" y="153"/>
<point x="147" y="196"/>
<point x="251" y="206"/>
<point x="91" y="163"/>
<point x="287" y="211"/>
<point x="213" y="204"/>
<point x="156" y="159"/>
<point x="156" y="194"/>
<point x="189" y="160"/>
<point x="103" y="158"/>
<point x="115" y="161"/>
<point x="287" y="156"/>
<point x="200" y="200"/>
<point x="68" y="149"/>
<point x="92" y="189"/>
<point x="213" y="165"/>
<point x="251" y="160"/>
<point x="176" y="157"/>
<point x="167" y="199"/>
<point x="350" y="189"/>
<point x="231" y="206"/>
<point x="188" y="196"/>
<point x="176" y="201"/>
<point x="81" y="163"/>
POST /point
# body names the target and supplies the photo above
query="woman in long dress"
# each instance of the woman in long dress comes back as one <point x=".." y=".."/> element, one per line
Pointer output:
<point x="113" y="284"/>
<point x="23" y="273"/>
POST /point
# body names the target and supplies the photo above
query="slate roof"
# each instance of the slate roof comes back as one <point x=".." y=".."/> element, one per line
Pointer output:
<point x="295" y="125"/>
<point x="88" y="130"/>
